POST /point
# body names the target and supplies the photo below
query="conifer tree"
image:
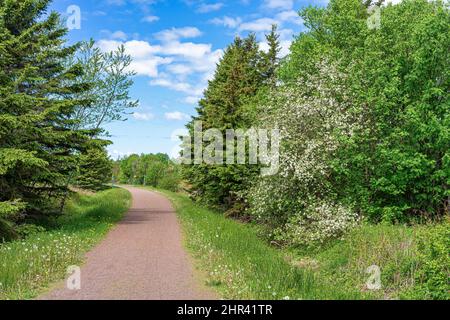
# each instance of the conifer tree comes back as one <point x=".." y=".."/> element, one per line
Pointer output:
<point x="38" y="146"/>
<point x="238" y="78"/>
<point x="271" y="59"/>
<point x="95" y="168"/>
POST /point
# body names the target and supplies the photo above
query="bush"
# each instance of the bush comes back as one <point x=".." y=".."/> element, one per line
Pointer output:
<point x="170" y="181"/>
<point x="26" y="230"/>
<point x="432" y="277"/>
<point x="317" y="225"/>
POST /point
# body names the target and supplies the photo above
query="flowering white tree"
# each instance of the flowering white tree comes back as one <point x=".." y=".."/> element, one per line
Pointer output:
<point x="313" y="115"/>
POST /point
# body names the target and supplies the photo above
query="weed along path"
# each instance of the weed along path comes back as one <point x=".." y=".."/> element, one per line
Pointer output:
<point x="142" y="258"/>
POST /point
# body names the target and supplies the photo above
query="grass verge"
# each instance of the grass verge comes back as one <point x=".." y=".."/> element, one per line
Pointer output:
<point x="28" y="266"/>
<point x="240" y="265"/>
<point x="413" y="260"/>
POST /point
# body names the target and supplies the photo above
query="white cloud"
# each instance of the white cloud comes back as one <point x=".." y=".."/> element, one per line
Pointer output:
<point x="116" y="154"/>
<point x="150" y="19"/>
<point x="143" y="116"/>
<point x="148" y="67"/>
<point x="144" y="63"/>
<point x="177" y="33"/>
<point x="173" y="64"/>
<point x="186" y="49"/>
<point x="119" y="35"/>
<point x="191" y="99"/>
<point x="259" y="25"/>
<point x="184" y="87"/>
<point x="178" y="116"/>
<point x="205" y="8"/>
<point x="141" y="49"/>
<point x="180" y="69"/>
<point x="289" y="16"/>
<point x="227" y="22"/>
<point x="279" y="4"/>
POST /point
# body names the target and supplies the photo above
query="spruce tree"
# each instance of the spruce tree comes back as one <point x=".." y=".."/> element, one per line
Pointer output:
<point x="271" y="60"/>
<point x="95" y="168"/>
<point x="237" y="79"/>
<point x="38" y="145"/>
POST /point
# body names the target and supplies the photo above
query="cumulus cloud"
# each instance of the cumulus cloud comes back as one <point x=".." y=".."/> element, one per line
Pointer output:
<point x="179" y="86"/>
<point x="119" y="35"/>
<point x="174" y="34"/>
<point x="191" y="99"/>
<point x="116" y="154"/>
<point x="206" y="8"/>
<point x="290" y="16"/>
<point x="150" y="19"/>
<point x="145" y="62"/>
<point x="259" y="25"/>
<point x="279" y="4"/>
<point x="171" y="62"/>
<point x="227" y="22"/>
<point x="143" y="116"/>
<point x="177" y="116"/>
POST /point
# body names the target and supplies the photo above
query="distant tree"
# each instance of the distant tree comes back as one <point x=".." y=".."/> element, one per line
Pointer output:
<point x="95" y="168"/>
<point x="155" y="170"/>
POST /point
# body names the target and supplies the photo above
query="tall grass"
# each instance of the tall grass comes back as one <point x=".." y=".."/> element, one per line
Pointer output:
<point x="29" y="265"/>
<point x="392" y="248"/>
<point x="240" y="265"/>
<point x="413" y="260"/>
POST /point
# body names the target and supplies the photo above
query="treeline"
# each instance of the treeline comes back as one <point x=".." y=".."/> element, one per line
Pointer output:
<point x="364" y="115"/>
<point x="54" y="100"/>
<point x="154" y="170"/>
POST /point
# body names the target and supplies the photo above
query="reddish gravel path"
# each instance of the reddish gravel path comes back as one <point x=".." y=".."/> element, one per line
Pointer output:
<point x="141" y="259"/>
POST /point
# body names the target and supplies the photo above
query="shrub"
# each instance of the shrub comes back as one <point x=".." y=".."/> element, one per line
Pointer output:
<point x="432" y="277"/>
<point x="26" y="230"/>
<point x="317" y="225"/>
<point x="170" y="181"/>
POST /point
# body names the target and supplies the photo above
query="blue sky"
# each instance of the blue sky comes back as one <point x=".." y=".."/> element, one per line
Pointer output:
<point x="175" y="45"/>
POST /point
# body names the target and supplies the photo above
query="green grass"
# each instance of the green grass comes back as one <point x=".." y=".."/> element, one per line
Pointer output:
<point x="30" y="265"/>
<point x="240" y="265"/>
<point x="344" y="263"/>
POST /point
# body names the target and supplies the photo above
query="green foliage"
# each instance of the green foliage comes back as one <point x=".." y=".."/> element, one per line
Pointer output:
<point x="364" y="115"/>
<point x="54" y="99"/>
<point x="344" y="263"/>
<point x="95" y="169"/>
<point x="433" y="247"/>
<point x="38" y="148"/>
<point x="155" y="170"/>
<point x="241" y="74"/>
<point x="394" y="168"/>
<point x="109" y="79"/>
<point x="26" y="230"/>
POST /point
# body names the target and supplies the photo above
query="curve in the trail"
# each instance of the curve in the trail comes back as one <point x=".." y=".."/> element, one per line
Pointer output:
<point x="142" y="258"/>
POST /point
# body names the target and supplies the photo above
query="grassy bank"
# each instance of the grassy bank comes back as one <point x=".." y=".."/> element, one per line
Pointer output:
<point x="240" y="265"/>
<point x="28" y="266"/>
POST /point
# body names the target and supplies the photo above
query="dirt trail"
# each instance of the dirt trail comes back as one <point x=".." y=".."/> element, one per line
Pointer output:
<point x="140" y="259"/>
